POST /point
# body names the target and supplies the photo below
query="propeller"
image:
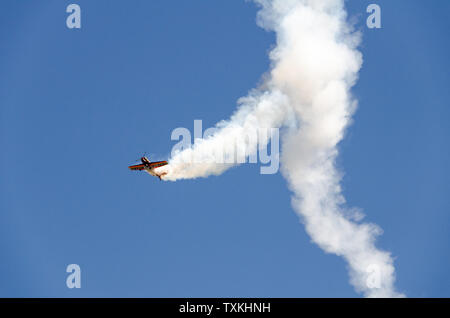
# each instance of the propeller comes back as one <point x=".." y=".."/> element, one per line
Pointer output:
<point x="139" y="160"/>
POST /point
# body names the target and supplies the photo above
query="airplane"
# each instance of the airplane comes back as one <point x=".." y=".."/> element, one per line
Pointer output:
<point x="150" y="167"/>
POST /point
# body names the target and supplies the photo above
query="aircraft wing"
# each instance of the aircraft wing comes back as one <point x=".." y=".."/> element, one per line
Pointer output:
<point x="157" y="164"/>
<point x="137" y="167"/>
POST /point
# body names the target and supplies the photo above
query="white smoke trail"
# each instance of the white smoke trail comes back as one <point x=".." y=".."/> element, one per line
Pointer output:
<point x="314" y="65"/>
<point x="214" y="155"/>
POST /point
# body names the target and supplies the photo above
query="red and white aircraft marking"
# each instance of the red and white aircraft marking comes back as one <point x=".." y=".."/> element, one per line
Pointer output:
<point x="150" y="167"/>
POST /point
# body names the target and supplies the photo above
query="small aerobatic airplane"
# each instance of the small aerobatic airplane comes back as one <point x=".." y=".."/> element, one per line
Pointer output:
<point x="150" y="167"/>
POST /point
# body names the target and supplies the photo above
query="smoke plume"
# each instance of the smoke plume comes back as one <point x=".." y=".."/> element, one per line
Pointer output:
<point x="314" y="65"/>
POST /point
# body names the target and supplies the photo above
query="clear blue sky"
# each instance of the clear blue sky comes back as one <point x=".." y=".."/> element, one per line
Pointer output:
<point x="78" y="106"/>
